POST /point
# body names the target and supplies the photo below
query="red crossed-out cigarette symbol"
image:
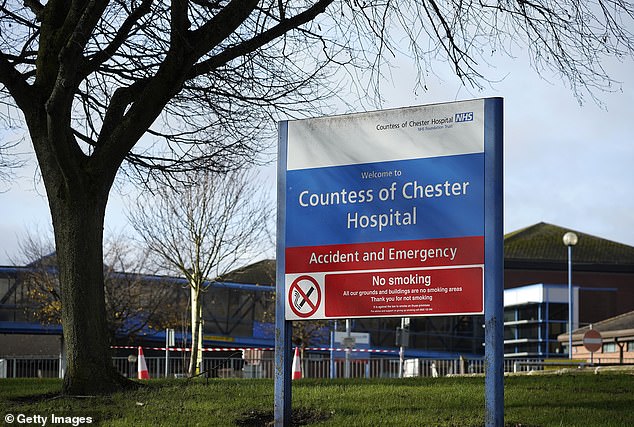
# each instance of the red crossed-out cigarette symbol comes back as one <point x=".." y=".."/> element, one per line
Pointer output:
<point x="304" y="300"/>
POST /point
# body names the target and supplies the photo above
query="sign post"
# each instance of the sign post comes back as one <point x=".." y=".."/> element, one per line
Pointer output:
<point x="402" y="335"/>
<point x="592" y="341"/>
<point x="169" y="342"/>
<point x="394" y="213"/>
<point x="494" y="273"/>
<point x="283" y="327"/>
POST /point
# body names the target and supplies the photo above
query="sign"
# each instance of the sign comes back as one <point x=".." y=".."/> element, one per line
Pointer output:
<point x="384" y="213"/>
<point x="349" y="342"/>
<point x="304" y="296"/>
<point x="592" y="340"/>
<point x="392" y="213"/>
<point x="170" y="340"/>
<point x="362" y="339"/>
<point x="357" y="340"/>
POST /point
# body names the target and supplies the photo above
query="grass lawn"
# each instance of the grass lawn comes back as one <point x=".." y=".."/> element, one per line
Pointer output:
<point x="575" y="399"/>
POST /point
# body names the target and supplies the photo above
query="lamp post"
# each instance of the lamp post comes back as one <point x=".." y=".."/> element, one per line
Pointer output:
<point x="570" y="239"/>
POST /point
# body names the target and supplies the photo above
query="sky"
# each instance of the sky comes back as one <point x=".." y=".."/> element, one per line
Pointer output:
<point x="566" y="164"/>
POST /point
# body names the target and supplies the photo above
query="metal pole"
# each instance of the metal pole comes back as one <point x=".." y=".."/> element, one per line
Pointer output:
<point x="283" y="328"/>
<point x="401" y="349"/>
<point x="569" y="301"/>
<point x="200" y="341"/>
<point x="494" y="261"/>
<point x="333" y="373"/>
<point x="169" y="342"/>
<point x="62" y="358"/>
<point x="592" y="352"/>
<point x="401" y="357"/>
<point x="167" y="352"/>
<point x="282" y="382"/>
<point x="347" y="368"/>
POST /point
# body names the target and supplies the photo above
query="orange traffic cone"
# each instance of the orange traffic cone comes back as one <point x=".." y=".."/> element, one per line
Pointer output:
<point x="142" y="372"/>
<point x="297" y="365"/>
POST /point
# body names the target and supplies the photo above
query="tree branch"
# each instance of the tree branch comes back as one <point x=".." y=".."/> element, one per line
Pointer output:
<point x="121" y="37"/>
<point x="16" y="84"/>
<point x="35" y="6"/>
<point x="218" y="28"/>
<point x="260" y="40"/>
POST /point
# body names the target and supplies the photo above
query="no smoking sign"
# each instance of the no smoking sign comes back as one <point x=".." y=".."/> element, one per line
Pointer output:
<point x="304" y="296"/>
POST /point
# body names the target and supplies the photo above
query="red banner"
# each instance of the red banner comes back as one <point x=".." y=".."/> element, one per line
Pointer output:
<point x="386" y="255"/>
<point x="404" y="293"/>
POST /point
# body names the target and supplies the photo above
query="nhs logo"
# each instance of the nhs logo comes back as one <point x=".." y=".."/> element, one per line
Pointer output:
<point x="464" y="117"/>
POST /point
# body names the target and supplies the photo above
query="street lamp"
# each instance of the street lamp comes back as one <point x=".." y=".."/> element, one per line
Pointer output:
<point x="570" y="239"/>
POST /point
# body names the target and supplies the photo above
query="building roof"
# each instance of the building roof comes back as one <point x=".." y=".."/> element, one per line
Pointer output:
<point x="542" y="243"/>
<point x="259" y="273"/>
<point x="536" y="293"/>
<point x="9" y="327"/>
<point x="621" y="326"/>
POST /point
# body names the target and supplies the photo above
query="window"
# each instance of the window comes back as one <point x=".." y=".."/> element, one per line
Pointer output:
<point x="554" y="348"/>
<point x="609" y="347"/>
<point x="510" y="332"/>
<point x="529" y="312"/>
<point x="509" y="314"/>
<point x="558" y="311"/>
<point x="630" y="346"/>
<point x="528" y="347"/>
<point x="530" y="331"/>
<point x="556" y="329"/>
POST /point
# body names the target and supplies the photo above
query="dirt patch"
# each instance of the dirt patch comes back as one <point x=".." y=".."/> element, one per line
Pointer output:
<point x="299" y="417"/>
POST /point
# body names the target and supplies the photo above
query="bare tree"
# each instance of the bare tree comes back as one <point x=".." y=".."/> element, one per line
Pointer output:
<point x="202" y="229"/>
<point x="9" y="161"/>
<point x="137" y="300"/>
<point x="134" y="303"/>
<point x="41" y="297"/>
<point x="204" y="80"/>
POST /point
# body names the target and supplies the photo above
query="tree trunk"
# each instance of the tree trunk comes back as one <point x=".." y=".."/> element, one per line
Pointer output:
<point x="195" y="357"/>
<point x="78" y="218"/>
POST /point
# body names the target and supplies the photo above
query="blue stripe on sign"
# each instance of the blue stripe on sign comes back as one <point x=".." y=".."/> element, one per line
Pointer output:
<point x="387" y="201"/>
